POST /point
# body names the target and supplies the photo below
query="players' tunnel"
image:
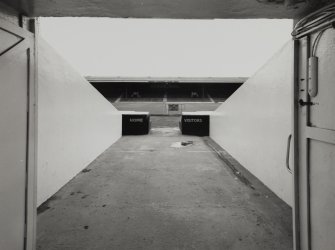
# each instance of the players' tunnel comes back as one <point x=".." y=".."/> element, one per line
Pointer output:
<point x="261" y="177"/>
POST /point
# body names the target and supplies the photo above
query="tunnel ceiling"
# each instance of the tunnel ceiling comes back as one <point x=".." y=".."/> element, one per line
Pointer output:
<point x="192" y="9"/>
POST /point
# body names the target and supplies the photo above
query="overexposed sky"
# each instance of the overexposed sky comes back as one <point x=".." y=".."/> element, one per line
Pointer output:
<point x="163" y="47"/>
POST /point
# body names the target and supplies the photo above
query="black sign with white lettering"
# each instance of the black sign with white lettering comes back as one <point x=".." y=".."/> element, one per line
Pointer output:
<point x="195" y="125"/>
<point x="135" y="124"/>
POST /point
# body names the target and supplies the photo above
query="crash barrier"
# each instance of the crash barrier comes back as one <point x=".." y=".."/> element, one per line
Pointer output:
<point x="135" y="123"/>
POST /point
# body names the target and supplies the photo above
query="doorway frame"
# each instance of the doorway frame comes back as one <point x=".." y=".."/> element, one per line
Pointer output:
<point x="29" y="35"/>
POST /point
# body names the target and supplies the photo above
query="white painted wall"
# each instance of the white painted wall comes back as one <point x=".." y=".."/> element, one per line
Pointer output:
<point x="75" y="122"/>
<point x="254" y="123"/>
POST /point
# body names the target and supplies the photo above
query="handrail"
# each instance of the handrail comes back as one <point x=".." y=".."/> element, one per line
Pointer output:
<point x="288" y="153"/>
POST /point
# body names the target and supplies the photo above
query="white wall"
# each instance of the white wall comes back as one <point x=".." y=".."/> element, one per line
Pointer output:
<point x="75" y="122"/>
<point x="254" y="123"/>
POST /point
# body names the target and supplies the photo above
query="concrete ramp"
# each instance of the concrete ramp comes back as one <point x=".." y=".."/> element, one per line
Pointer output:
<point x="163" y="191"/>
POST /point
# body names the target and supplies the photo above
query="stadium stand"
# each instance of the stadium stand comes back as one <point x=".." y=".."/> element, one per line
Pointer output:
<point x="186" y="90"/>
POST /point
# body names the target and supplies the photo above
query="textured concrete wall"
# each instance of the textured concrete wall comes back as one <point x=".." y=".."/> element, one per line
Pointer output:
<point x="254" y="123"/>
<point x="9" y="15"/>
<point x="75" y="122"/>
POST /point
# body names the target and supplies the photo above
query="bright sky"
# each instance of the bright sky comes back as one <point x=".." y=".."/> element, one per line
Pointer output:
<point x="163" y="47"/>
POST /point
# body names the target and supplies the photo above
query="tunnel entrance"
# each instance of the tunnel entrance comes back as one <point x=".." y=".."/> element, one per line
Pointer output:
<point x="164" y="189"/>
<point x="167" y="190"/>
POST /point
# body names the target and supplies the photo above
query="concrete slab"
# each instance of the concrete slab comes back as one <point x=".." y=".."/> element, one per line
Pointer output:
<point x="164" y="121"/>
<point x="201" y="9"/>
<point x="143" y="193"/>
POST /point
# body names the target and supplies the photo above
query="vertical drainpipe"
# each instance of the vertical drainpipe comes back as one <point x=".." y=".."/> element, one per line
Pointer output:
<point x="31" y="210"/>
<point x="295" y="109"/>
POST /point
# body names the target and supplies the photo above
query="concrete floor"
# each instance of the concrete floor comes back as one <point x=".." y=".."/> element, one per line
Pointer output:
<point x="146" y="192"/>
<point x="165" y="121"/>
